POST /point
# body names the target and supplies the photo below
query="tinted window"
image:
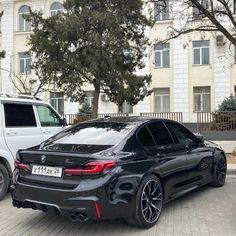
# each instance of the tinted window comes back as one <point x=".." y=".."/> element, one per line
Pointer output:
<point x="47" y="117"/>
<point x="18" y="115"/>
<point x="180" y="133"/>
<point x="145" y="137"/>
<point x="160" y="133"/>
<point x="104" y="133"/>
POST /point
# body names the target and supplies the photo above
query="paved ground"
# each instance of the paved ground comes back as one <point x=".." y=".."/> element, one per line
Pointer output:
<point x="207" y="211"/>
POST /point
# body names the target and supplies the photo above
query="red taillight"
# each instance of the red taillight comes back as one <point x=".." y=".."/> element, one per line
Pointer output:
<point x="19" y="165"/>
<point x="91" y="168"/>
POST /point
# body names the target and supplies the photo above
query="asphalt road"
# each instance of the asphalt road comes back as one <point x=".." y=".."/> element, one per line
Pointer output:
<point x="206" y="211"/>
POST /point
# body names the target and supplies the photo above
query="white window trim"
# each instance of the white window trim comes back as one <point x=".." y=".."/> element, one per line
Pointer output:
<point x="201" y="49"/>
<point x="161" y="62"/>
<point x="201" y="98"/>
<point x="161" y="96"/>
<point x="161" y="14"/>
<point x="25" y="63"/>
<point x="18" y="22"/>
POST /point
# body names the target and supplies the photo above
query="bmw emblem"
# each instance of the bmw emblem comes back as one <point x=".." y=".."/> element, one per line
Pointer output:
<point x="43" y="159"/>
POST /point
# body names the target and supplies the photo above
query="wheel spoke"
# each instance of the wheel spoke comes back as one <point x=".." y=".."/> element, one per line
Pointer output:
<point x="151" y="201"/>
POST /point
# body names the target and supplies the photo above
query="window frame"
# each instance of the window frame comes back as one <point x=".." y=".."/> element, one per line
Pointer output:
<point x="40" y="123"/>
<point x="201" y="99"/>
<point x="25" y="57"/>
<point x="55" y="100"/>
<point x="137" y="137"/>
<point x="161" y="13"/>
<point x="201" y="48"/>
<point x="35" y="123"/>
<point x="165" y="48"/>
<point x="23" y="28"/>
<point x="56" y="11"/>
<point x="162" y="110"/>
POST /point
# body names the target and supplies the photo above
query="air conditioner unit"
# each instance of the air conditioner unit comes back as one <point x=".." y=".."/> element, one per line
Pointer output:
<point x="220" y="40"/>
<point x="104" y="98"/>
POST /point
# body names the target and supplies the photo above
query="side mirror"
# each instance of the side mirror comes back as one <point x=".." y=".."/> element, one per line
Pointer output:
<point x="64" y="122"/>
<point x="199" y="138"/>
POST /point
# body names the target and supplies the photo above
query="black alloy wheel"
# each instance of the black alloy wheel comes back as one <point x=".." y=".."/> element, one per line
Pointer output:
<point x="148" y="203"/>
<point x="220" y="172"/>
<point x="4" y="181"/>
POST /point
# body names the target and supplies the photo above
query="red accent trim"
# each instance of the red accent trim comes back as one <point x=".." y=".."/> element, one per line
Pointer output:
<point x="91" y="168"/>
<point x="19" y="165"/>
<point x="97" y="210"/>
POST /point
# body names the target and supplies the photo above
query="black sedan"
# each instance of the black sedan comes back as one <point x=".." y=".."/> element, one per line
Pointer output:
<point x="115" y="168"/>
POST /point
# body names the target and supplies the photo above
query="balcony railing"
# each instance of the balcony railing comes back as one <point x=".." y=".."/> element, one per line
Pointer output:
<point x="177" y="116"/>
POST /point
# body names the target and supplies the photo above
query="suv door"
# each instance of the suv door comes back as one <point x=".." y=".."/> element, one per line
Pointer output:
<point x="20" y="127"/>
<point x="50" y="122"/>
<point x="199" y="157"/>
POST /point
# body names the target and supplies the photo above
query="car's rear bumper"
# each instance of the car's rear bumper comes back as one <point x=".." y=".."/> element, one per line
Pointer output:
<point x="94" y="203"/>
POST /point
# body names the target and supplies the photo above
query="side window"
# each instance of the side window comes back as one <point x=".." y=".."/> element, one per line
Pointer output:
<point x="145" y="137"/>
<point x="180" y="133"/>
<point x="19" y="115"/>
<point x="160" y="133"/>
<point x="47" y="116"/>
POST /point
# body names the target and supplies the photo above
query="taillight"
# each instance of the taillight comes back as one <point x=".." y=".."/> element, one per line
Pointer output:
<point x="91" y="168"/>
<point x="19" y="165"/>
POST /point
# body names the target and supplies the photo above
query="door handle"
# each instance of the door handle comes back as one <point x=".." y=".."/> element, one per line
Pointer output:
<point x="189" y="150"/>
<point x="160" y="155"/>
<point x="11" y="132"/>
<point x="47" y="131"/>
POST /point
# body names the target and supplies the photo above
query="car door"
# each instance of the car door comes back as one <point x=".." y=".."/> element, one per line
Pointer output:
<point x="199" y="157"/>
<point x="50" y="122"/>
<point x="173" y="162"/>
<point x="20" y="126"/>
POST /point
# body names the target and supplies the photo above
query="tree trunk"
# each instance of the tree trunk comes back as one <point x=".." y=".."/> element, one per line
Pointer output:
<point x="96" y="100"/>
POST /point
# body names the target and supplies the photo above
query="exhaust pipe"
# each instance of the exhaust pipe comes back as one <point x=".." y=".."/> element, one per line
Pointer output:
<point x="73" y="217"/>
<point x="17" y="204"/>
<point x="76" y="216"/>
<point x="82" y="218"/>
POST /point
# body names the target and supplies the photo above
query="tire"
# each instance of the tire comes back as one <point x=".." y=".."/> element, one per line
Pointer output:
<point x="4" y="181"/>
<point x="219" y="174"/>
<point x="148" y="203"/>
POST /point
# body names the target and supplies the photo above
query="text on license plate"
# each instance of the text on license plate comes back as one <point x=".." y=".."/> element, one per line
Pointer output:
<point x="47" y="171"/>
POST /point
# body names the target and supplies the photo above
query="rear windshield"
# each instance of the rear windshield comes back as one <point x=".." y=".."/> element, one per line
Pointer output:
<point x="106" y="134"/>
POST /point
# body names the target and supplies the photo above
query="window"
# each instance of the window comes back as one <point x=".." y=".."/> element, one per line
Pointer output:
<point x="160" y="133"/>
<point x="202" y="99"/>
<point x="204" y="3"/>
<point x="24" y="63"/>
<point x="161" y="10"/>
<point x="57" y="101"/>
<point x="145" y="137"/>
<point x="180" y="133"/>
<point x="162" y="100"/>
<point x="162" y="55"/>
<point x="47" y="117"/>
<point x="89" y="98"/>
<point x="200" y="52"/>
<point x="56" y="8"/>
<point x="125" y="108"/>
<point x="93" y="133"/>
<point x="19" y="115"/>
<point x="23" y="24"/>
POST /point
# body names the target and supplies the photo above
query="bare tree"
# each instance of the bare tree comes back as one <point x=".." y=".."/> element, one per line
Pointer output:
<point x="201" y="16"/>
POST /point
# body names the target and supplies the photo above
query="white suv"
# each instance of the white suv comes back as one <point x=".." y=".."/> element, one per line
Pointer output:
<point x="25" y="121"/>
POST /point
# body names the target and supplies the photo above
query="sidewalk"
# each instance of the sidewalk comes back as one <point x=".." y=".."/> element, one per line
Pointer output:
<point x="231" y="169"/>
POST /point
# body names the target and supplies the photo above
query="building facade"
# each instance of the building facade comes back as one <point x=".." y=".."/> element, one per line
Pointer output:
<point x="189" y="74"/>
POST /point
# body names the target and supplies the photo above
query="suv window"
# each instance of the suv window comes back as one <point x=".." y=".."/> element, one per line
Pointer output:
<point x="47" y="116"/>
<point x="19" y="115"/>
<point x="145" y="137"/>
<point x="160" y="133"/>
<point x="180" y="133"/>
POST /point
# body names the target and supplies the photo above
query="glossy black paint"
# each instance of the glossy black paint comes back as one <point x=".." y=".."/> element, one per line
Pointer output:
<point x="180" y="167"/>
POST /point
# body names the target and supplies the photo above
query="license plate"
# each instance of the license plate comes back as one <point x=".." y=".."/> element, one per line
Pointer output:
<point x="47" y="171"/>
